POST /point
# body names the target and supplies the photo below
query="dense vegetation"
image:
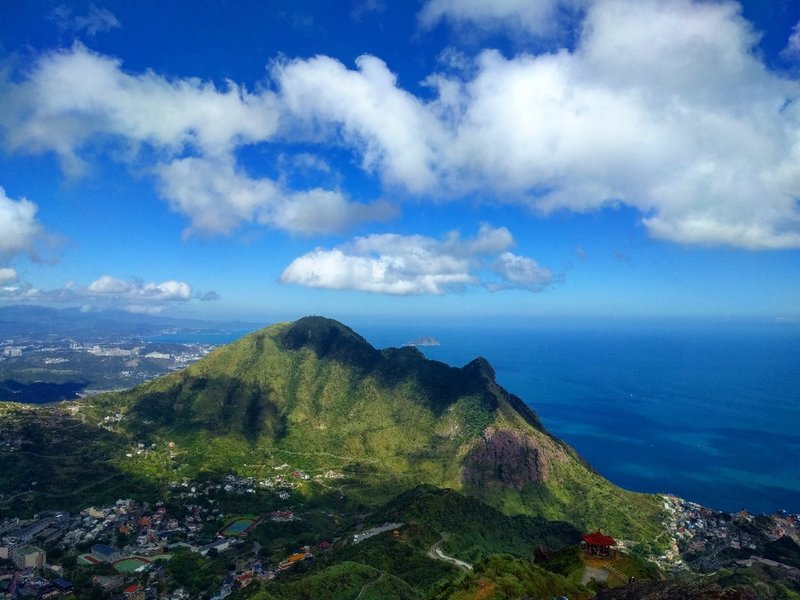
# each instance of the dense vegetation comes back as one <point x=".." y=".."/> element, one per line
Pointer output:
<point x="391" y="419"/>
<point x="504" y="576"/>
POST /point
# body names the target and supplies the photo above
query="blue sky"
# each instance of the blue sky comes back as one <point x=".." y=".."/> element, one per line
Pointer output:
<point x="265" y="160"/>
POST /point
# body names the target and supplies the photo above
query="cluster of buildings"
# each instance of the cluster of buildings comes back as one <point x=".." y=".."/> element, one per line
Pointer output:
<point x="129" y="532"/>
<point x="282" y="482"/>
<point x="132" y="361"/>
<point x="124" y="531"/>
<point x="21" y="542"/>
<point x="700" y="531"/>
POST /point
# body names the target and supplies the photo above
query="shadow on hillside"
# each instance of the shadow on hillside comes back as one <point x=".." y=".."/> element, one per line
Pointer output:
<point x="219" y="404"/>
<point x="62" y="463"/>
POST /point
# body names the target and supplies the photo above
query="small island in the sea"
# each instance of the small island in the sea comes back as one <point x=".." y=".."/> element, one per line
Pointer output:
<point x="423" y="341"/>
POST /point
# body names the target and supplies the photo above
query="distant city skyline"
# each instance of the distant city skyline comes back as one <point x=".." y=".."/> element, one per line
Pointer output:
<point x="440" y="158"/>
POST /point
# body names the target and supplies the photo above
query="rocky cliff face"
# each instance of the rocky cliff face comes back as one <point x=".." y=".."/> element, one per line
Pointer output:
<point x="509" y="459"/>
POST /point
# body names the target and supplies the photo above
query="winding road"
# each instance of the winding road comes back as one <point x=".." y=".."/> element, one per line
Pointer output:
<point x="435" y="552"/>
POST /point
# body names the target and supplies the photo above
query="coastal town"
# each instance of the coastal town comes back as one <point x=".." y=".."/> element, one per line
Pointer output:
<point x="124" y="550"/>
<point x="705" y="540"/>
<point x="130" y="550"/>
<point x="85" y="366"/>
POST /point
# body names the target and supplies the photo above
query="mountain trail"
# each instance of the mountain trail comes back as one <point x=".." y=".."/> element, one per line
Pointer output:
<point x="366" y="585"/>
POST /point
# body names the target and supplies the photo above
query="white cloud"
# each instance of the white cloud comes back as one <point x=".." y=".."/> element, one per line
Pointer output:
<point x="104" y="292"/>
<point x="8" y="275"/>
<point x="537" y="17"/>
<point x="19" y="293"/>
<point x="97" y="20"/>
<point x="403" y="265"/>
<point x="18" y="225"/>
<point x="74" y="96"/>
<point x="324" y="211"/>
<point x="213" y="194"/>
<point x="663" y="106"/>
<point x="217" y="197"/>
<point x="521" y="272"/>
<point x="387" y="274"/>
<point x="366" y="109"/>
<point x="166" y="291"/>
<point x="110" y="285"/>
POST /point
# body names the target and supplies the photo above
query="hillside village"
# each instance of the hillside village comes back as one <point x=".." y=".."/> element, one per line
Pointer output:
<point x="706" y="540"/>
<point x="135" y="542"/>
<point x="124" y="550"/>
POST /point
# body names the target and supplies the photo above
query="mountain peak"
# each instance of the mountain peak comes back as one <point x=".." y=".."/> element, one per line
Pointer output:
<point x="481" y="367"/>
<point x="329" y="338"/>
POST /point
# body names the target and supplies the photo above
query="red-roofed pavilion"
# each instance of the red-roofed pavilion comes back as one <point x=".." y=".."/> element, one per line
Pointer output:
<point x="597" y="544"/>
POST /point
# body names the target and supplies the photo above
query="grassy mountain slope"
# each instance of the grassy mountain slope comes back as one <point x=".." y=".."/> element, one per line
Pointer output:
<point x="317" y="391"/>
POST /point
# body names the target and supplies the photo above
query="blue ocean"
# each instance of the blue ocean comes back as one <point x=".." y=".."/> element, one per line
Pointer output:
<point x="707" y="411"/>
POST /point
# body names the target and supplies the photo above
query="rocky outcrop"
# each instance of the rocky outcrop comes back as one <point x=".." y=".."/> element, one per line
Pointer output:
<point x="509" y="459"/>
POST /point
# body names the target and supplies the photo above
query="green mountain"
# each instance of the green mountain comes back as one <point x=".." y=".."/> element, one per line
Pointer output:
<point x="386" y="420"/>
<point x="353" y="422"/>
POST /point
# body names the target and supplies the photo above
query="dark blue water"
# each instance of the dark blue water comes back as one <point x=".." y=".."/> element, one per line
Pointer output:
<point x="708" y="411"/>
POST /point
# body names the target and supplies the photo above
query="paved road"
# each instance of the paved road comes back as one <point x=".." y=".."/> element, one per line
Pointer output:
<point x="436" y="552"/>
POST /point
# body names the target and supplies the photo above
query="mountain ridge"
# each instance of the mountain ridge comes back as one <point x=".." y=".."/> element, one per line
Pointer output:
<point x="316" y="388"/>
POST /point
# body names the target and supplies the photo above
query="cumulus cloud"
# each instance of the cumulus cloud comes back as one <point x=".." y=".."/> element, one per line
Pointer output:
<point x="209" y="296"/>
<point x="74" y="96"/>
<point x="217" y="197"/>
<point x="403" y="265"/>
<point x="104" y="292"/>
<point x="19" y="293"/>
<point x="97" y="20"/>
<point x="18" y="226"/>
<point x="663" y="106"/>
<point x="110" y="285"/>
<point x="366" y="109"/>
<point x="521" y="272"/>
<point x="166" y="291"/>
